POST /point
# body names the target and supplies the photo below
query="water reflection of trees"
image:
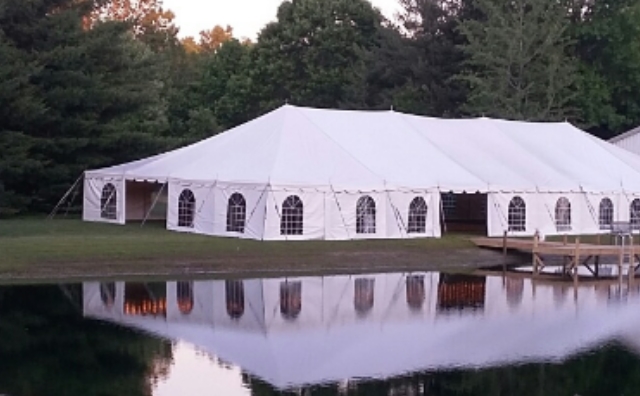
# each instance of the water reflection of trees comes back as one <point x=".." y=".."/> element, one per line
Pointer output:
<point x="610" y="371"/>
<point x="47" y="348"/>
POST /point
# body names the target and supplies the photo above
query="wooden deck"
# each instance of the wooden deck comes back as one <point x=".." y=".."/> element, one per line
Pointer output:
<point x="551" y="248"/>
<point x="574" y="254"/>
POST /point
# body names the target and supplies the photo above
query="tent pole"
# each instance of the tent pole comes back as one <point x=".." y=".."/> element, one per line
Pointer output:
<point x="153" y="205"/>
<point x="64" y="197"/>
<point x="444" y="220"/>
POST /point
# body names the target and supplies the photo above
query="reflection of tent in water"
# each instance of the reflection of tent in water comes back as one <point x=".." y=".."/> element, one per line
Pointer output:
<point x="363" y="296"/>
<point x="185" y="297"/>
<point x="234" y="292"/>
<point x="515" y="291"/>
<point x="290" y="299"/>
<point x="560" y="292"/>
<point x="145" y="299"/>
<point x="301" y="331"/>
<point x="415" y="291"/>
<point x="458" y="292"/>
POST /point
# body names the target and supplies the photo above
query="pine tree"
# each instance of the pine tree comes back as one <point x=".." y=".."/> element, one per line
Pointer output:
<point x="518" y="64"/>
<point x="77" y="98"/>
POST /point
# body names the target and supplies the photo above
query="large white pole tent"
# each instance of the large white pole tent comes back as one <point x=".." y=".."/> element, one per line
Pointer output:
<point x="300" y="173"/>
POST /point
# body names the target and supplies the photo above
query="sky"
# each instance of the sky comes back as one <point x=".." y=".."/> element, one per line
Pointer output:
<point x="246" y="17"/>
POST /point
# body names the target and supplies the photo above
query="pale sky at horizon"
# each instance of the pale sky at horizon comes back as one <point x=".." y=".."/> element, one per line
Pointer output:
<point x="246" y="17"/>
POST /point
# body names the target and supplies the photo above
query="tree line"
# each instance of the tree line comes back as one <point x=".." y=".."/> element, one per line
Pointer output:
<point x="91" y="83"/>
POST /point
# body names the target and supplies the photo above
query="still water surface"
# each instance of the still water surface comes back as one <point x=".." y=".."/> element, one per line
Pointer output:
<point x="419" y="333"/>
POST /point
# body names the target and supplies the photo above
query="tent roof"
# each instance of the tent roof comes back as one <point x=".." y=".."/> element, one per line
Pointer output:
<point x="625" y="135"/>
<point x="370" y="150"/>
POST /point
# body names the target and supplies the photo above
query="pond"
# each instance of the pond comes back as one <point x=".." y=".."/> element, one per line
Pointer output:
<point x="394" y="334"/>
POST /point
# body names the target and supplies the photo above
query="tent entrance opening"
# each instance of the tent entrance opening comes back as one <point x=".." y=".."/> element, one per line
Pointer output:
<point x="464" y="212"/>
<point x="142" y="201"/>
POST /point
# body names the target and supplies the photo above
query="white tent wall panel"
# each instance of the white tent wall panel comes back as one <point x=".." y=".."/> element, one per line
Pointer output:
<point x="546" y="214"/>
<point x="92" y="194"/>
<point x="395" y="220"/>
<point x="398" y="207"/>
<point x="313" y="214"/>
<point x="203" y="210"/>
<point x="255" y="197"/>
<point x="541" y="211"/>
<point x="343" y="217"/>
<point x="337" y="221"/>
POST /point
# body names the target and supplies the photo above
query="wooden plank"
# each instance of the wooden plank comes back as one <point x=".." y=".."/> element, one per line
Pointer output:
<point x="554" y="248"/>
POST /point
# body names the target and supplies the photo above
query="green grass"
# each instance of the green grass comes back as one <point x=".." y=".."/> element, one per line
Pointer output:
<point x="35" y="247"/>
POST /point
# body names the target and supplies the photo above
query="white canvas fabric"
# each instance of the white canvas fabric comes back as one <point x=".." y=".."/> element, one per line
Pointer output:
<point x="332" y="158"/>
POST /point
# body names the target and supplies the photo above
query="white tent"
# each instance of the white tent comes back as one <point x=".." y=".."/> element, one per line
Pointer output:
<point x="466" y="322"/>
<point x="302" y="173"/>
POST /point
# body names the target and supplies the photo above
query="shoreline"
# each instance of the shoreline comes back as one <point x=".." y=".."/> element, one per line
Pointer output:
<point x="40" y="251"/>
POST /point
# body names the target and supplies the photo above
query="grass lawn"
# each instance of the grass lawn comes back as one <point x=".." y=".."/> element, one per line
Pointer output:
<point x="36" y="248"/>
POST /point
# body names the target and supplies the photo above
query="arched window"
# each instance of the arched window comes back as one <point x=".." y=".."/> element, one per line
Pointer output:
<point x="184" y="294"/>
<point x="186" y="208"/>
<point x="605" y="219"/>
<point x="234" y="290"/>
<point x="363" y="295"/>
<point x="236" y="213"/>
<point x="417" y="216"/>
<point x="366" y="215"/>
<point x="634" y="214"/>
<point x="108" y="294"/>
<point x="290" y="299"/>
<point x="415" y="291"/>
<point x="109" y="202"/>
<point x="563" y="214"/>
<point x="291" y="222"/>
<point x="517" y="214"/>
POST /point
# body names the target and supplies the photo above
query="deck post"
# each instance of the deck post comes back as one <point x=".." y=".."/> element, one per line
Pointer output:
<point x="631" y="260"/>
<point x="534" y="253"/>
<point x="620" y="260"/>
<point x="504" y="243"/>
<point x="576" y="260"/>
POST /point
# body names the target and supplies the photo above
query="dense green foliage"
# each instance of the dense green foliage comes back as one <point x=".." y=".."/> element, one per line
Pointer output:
<point x="84" y="84"/>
